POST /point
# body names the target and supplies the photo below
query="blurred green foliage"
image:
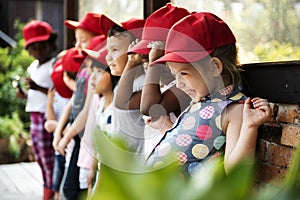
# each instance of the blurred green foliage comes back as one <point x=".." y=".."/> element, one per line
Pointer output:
<point x="12" y="128"/>
<point x="14" y="121"/>
<point x="274" y="50"/>
<point x="13" y="61"/>
<point x="210" y="182"/>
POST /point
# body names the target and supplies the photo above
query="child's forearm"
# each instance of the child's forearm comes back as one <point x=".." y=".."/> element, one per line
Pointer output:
<point x="151" y="93"/>
<point x="125" y="97"/>
<point x="244" y="149"/>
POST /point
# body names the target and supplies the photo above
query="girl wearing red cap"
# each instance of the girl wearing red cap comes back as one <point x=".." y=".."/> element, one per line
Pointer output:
<point x="40" y="41"/>
<point x="105" y="83"/>
<point x="204" y="62"/>
<point x="165" y="98"/>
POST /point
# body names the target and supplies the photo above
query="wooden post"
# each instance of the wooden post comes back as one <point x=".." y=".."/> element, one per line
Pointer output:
<point x="70" y="12"/>
<point x="152" y="5"/>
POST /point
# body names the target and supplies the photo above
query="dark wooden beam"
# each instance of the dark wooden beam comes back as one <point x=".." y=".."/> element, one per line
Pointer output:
<point x="276" y="81"/>
<point x="70" y="12"/>
<point x="152" y="5"/>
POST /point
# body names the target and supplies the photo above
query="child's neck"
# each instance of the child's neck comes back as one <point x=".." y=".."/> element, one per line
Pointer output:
<point x="44" y="60"/>
<point x="108" y="98"/>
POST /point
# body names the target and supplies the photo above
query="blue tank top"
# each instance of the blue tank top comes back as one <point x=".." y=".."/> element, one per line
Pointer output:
<point x="197" y="134"/>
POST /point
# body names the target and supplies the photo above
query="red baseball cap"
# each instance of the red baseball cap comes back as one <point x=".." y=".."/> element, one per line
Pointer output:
<point x="97" y="49"/>
<point x="68" y="62"/>
<point x="57" y="77"/>
<point x="93" y="22"/>
<point x="157" y="26"/>
<point x="195" y="37"/>
<point x="36" y="31"/>
<point x="98" y="55"/>
<point x="96" y="43"/>
<point x="135" y="26"/>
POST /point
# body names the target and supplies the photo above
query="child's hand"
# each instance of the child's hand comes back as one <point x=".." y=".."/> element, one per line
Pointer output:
<point x="91" y="177"/>
<point x="157" y="50"/>
<point x="56" y="139"/>
<point x="134" y="59"/>
<point x="256" y="115"/>
<point x="61" y="147"/>
<point x="20" y="93"/>
<point x="31" y="84"/>
<point x="69" y="82"/>
<point x="163" y="123"/>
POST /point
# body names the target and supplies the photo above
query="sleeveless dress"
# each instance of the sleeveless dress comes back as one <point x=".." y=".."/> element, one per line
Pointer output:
<point x="197" y="135"/>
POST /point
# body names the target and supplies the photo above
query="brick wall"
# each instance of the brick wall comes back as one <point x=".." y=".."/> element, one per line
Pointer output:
<point x="276" y="144"/>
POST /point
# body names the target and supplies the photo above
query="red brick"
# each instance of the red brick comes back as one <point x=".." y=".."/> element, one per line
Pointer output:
<point x="271" y="174"/>
<point x="270" y="132"/>
<point x="288" y="113"/>
<point x="261" y="150"/>
<point x="279" y="155"/>
<point x="274" y="110"/>
<point x="290" y="135"/>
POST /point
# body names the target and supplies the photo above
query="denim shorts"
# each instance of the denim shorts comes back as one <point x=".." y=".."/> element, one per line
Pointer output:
<point x="58" y="171"/>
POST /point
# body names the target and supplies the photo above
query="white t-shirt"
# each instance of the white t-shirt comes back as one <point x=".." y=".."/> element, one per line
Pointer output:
<point x="103" y="117"/>
<point x="41" y="75"/>
<point x="152" y="135"/>
<point x="87" y="152"/>
<point x="129" y="124"/>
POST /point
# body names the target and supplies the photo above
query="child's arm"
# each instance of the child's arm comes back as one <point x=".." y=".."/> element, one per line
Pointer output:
<point x="79" y="122"/>
<point x="63" y="120"/>
<point x="92" y="176"/>
<point x="50" y="115"/>
<point x="242" y="129"/>
<point x="125" y="98"/>
<point x="51" y="123"/>
<point x="152" y="94"/>
<point x="34" y="86"/>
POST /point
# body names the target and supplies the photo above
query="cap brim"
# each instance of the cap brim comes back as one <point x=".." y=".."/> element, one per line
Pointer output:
<point x="37" y="39"/>
<point x="140" y="48"/>
<point x="96" y="55"/>
<point x="71" y="24"/>
<point x="182" y="57"/>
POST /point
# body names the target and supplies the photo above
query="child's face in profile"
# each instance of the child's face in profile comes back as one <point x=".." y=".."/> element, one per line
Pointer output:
<point x="40" y="51"/>
<point x="117" y="47"/>
<point x="83" y="38"/>
<point x="189" y="79"/>
<point x="103" y="83"/>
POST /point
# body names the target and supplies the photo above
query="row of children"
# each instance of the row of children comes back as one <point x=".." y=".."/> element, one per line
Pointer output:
<point x="167" y="84"/>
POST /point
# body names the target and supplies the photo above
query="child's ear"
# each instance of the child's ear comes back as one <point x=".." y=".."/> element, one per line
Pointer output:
<point x="217" y="66"/>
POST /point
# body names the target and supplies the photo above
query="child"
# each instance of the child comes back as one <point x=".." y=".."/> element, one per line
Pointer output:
<point x="83" y="122"/>
<point x="127" y="121"/>
<point x="204" y="62"/>
<point x="105" y="83"/>
<point x="165" y="97"/>
<point x="58" y="97"/>
<point x="40" y="41"/>
<point x="90" y="26"/>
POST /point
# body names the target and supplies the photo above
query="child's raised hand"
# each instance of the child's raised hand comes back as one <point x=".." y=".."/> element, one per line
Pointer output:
<point x="256" y="111"/>
<point x="157" y="50"/>
<point x="134" y="59"/>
